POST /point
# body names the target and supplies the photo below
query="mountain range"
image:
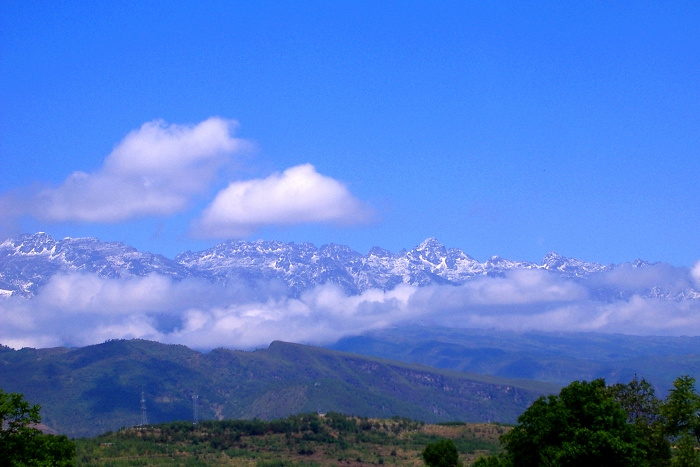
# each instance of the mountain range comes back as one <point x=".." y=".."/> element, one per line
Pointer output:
<point x="28" y="262"/>
<point x="90" y="390"/>
<point x="94" y="388"/>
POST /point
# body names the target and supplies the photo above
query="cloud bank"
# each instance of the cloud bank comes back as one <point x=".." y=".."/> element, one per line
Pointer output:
<point x="297" y="195"/>
<point x="82" y="309"/>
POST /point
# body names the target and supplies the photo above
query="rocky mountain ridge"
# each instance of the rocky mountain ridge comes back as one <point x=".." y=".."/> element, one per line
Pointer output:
<point x="31" y="260"/>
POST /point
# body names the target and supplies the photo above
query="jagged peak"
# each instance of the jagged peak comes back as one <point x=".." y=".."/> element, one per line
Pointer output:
<point x="640" y="263"/>
<point x="36" y="243"/>
<point x="553" y="255"/>
<point x="335" y="247"/>
<point x="38" y="237"/>
<point x="429" y="243"/>
<point x="552" y="259"/>
<point x="87" y="240"/>
<point x="379" y="252"/>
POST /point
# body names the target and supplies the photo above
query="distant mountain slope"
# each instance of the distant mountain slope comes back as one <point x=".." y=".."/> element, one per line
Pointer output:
<point x="30" y="261"/>
<point x="554" y="357"/>
<point x="90" y="390"/>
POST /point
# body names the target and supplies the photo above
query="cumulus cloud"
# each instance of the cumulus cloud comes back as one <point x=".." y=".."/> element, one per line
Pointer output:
<point x="154" y="170"/>
<point x="81" y="309"/>
<point x="298" y="195"/>
<point x="695" y="274"/>
<point x="159" y="168"/>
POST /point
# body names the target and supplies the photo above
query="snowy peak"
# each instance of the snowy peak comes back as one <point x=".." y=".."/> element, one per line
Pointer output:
<point x="639" y="263"/>
<point x="39" y="243"/>
<point x="429" y="253"/>
<point x="570" y="266"/>
<point x="379" y="252"/>
<point x="430" y="244"/>
<point x="553" y="260"/>
<point x="336" y="252"/>
<point x="29" y="262"/>
<point x="500" y="263"/>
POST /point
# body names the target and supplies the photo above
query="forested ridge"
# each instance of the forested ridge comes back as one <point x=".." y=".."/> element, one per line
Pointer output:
<point x="91" y="390"/>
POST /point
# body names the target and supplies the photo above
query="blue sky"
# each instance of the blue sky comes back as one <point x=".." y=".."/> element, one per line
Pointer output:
<point x="501" y="128"/>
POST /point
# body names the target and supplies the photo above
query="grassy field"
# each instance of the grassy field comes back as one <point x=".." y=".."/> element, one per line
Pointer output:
<point x="300" y="440"/>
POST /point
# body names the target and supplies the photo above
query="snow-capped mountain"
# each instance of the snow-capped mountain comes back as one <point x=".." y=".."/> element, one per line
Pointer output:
<point x="30" y="261"/>
<point x="302" y="266"/>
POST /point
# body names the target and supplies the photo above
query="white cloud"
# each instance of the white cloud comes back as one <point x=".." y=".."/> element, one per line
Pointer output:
<point x="695" y="274"/>
<point x="297" y="195"/>
<point x="628" y="277"/>
<point x="81" y="309"/>
<point x="523" y="286"/>
<point x="154" y="170"/>
<point x="159" y="168"/>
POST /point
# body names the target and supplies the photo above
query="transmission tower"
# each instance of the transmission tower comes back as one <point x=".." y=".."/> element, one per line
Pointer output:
<point x="195" y="409"/>
<point x="144" y="418"/>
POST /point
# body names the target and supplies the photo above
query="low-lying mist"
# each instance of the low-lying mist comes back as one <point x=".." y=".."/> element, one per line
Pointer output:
<point x="81" y="309"/>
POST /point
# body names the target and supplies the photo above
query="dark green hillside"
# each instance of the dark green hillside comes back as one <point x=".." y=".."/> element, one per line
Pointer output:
<point x="95" y="389"/>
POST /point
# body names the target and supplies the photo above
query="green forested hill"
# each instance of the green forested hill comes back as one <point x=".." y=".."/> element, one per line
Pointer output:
<point x="94" y="389"/>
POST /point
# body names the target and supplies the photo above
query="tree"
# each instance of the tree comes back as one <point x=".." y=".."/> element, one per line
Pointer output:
<point x="686" y="454"/>
<point x="682" y="412"/>
<point x="682" y="408"/>
<point x="442" y="453"/>
<point x="583" y="425"/>
<point x="21" y="443"/>
<point x="493" y="461"/>
<point x="638" y="399"/>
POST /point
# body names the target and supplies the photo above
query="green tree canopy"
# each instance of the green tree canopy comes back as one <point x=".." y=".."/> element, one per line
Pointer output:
<point x="638" y="399"/>
<point x="682" y="416"/>
<point x="682" y="408"/>
<point x="442" y="453"/>
<point x="21" y="443"/>
<point x="581" y="426"/>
